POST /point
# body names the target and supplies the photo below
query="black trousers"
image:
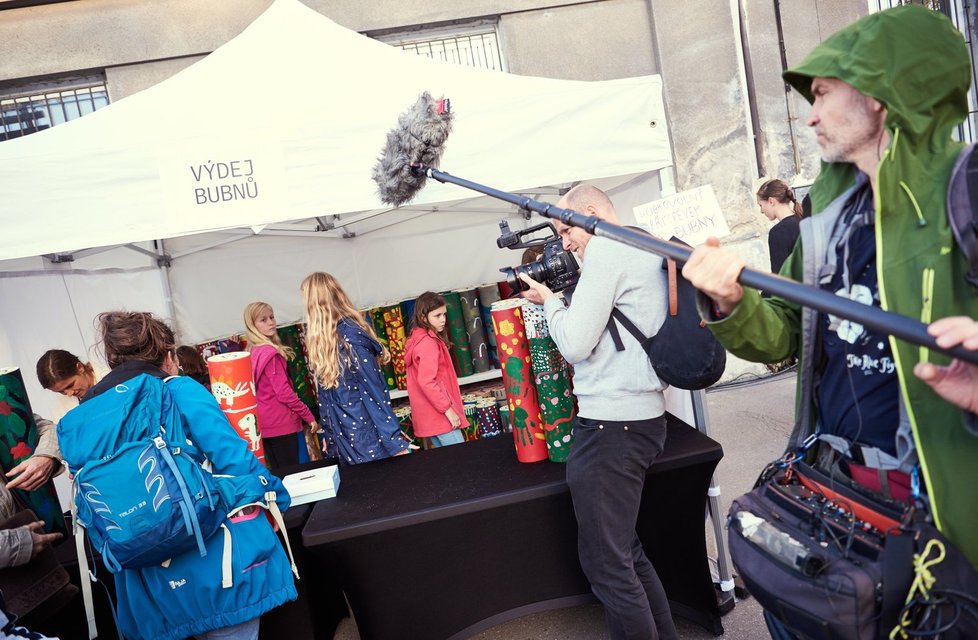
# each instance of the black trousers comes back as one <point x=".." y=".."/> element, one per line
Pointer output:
<point x="606" y="473"/>
<point x="281" y="451"/>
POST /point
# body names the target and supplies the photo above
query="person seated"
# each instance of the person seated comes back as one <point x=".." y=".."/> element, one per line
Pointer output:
<point x="18" y="546"/>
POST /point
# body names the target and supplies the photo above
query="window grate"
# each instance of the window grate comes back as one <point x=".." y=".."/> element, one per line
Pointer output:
<point x="467" y="45"/>
<point x="22" y="115"/>
<point x="479" y="51"/>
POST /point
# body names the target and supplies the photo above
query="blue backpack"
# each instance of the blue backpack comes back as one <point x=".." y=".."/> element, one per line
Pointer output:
<point x="139" y="489"/>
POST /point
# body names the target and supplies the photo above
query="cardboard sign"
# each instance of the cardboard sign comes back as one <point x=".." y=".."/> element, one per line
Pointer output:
<point x="692" y="216"/>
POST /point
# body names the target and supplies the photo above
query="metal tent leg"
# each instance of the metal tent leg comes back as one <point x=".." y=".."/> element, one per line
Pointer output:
<point x="716" y="514"/>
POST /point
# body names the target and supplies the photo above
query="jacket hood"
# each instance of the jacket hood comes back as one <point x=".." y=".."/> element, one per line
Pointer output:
<point x="355" y="335"/>
<point x="261" y="355"/>
<point x="417" y="335"/>
<point x="125" y="371"/>
<point x="913" y="60"/>
<point x="917" y="65"/>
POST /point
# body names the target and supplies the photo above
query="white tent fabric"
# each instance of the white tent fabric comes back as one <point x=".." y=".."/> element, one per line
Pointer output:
<point x="285" y="121"/>
<point x="304" y="106"/>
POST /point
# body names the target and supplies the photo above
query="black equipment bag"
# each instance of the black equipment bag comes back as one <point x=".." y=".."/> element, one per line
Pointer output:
<point x="684" y="353"/>
<point x="828" y="561"/>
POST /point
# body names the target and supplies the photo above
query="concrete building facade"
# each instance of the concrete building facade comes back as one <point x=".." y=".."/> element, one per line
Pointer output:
<point x="730" y="117"/>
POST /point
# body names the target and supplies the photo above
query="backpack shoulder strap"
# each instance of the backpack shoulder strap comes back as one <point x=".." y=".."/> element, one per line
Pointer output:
<point x="616" y="314"/>
<point x="962" y="208"/>
<point x="615" y="334"/>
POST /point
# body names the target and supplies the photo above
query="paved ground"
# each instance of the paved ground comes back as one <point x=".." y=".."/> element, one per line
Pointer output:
<point x="752" y="420"/>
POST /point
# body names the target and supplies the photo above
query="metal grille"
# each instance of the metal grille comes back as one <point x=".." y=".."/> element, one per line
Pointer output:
<point x="472" y="50"/>
<point x="960" y="12"/>
<point x="25" y="114"/>
<point x="468" y="45"/>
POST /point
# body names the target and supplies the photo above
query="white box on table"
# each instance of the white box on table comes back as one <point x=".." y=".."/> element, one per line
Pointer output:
<point x="313" y="485"/>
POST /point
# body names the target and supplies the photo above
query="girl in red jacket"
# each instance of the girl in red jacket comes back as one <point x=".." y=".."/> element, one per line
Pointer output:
<point x="436" y="403"/>
<point x="281" y="414"/>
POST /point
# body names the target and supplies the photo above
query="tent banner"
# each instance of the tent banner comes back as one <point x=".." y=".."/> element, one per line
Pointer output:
<point x="217" y="177"/>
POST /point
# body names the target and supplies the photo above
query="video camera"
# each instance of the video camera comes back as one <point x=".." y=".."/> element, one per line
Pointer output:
<point x="557" y="268"/>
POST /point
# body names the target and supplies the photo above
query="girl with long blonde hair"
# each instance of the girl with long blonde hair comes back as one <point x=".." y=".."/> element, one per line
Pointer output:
<point x="344" y="354"/>
<point x="281" y="414"/>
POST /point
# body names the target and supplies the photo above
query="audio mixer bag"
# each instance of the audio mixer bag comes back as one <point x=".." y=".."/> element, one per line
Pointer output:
<point x="828" y="561"/>
<point x="820" y="564"/>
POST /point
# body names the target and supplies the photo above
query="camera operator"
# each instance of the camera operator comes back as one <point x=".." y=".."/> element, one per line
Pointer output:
<point x="621" y="427"/>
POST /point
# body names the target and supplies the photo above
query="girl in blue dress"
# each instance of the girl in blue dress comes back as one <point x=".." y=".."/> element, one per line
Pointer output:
<point x="344" y="354"/>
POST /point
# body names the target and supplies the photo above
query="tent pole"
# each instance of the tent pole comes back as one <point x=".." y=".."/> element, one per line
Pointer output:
<point x="716" y="514"/>
<point x="163" y="262"/>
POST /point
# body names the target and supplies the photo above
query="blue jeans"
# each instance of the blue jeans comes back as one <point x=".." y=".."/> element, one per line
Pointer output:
<point x="452" y="437"/>
<point x="606" y="474"/>
<point x="244" y="631"/>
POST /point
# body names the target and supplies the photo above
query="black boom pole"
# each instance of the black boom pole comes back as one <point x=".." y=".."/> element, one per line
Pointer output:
<point x="873" y="317"/>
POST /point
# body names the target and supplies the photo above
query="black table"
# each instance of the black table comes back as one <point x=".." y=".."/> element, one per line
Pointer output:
<point x="455" y="540"/>
<point x="319" y="607"/>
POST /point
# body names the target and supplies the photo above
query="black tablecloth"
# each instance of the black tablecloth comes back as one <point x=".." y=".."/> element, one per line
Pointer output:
<point x="320" y="606"/>
<point x="451" y="541"/>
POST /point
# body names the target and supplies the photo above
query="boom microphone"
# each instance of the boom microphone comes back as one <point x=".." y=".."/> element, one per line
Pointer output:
<point x="418" y="139"/>
<point x="399" y="183"/>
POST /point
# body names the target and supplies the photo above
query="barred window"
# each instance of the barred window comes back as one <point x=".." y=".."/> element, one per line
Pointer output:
<point x="29" y="109"/>
<point x="471" y="45"/>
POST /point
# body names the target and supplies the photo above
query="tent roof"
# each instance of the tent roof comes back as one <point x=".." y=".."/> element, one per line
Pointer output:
<point x="285" y="122"/>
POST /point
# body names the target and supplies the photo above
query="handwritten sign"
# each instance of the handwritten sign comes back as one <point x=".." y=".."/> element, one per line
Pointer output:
<point x="692" y="216"/>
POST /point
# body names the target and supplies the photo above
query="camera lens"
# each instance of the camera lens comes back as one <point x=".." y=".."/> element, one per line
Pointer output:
<point x="511" y="275"/>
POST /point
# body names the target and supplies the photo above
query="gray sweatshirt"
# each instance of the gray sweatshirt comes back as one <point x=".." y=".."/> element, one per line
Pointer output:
<point x="610" y="384"/>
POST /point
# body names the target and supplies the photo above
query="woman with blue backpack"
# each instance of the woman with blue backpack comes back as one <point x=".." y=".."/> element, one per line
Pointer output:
<point x="137" y="446"/>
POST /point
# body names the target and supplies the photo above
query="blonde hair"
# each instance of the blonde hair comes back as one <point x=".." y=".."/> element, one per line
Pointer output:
<point x="326" y="305"/>
<point x="255" y="337"/>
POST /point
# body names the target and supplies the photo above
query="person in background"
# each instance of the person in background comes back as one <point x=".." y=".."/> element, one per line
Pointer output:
<point x="192" y="364"/>
<point x="281" y="414"/>
<point x="186" y="596"/>
<point x="344" y="352"/>
<point x="62" y="372"/>
<point x="436" y="402"/>
<point x="777" y="202"/>
<point x="19" y="546"/>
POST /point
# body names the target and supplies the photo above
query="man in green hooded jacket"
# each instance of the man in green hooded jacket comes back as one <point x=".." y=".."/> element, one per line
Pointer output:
<point x="886" y="94"/>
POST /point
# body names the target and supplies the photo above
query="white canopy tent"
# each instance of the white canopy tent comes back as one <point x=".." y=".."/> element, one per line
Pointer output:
<point x="281" y="127"/>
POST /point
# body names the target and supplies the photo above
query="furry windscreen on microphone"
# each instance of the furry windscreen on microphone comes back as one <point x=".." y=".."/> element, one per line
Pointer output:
<point x="418" y="138"/>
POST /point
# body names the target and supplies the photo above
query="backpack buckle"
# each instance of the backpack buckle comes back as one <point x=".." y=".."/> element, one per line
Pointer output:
<point x="159" y="442"/>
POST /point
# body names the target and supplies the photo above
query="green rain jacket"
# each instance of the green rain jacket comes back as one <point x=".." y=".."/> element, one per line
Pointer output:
<point x="916" y="64"/>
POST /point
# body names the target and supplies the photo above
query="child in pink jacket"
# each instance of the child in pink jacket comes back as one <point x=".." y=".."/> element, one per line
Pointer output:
<point x="436" y="403"/>
<point x="281" y="414"/>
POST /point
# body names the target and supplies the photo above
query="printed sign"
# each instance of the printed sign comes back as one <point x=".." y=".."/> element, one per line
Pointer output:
<point x="692" y="216"/>
<point x="219" y="178"/>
